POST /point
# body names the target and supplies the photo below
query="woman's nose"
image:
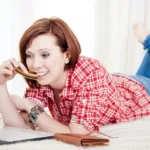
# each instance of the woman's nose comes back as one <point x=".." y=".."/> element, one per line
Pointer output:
<point x="36" y="63"/>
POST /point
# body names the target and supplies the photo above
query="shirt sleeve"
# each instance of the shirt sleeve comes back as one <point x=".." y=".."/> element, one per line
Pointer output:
<point x="37" y="96"/>
<point x="95" y="103"/>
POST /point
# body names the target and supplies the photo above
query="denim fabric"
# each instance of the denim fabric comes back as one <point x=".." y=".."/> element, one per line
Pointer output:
<point x="144" y="81"/>
<point x="144" y="69"/>
<point x="143" y="74"/>
<point x="146" y="43"/>
<point x="140" y="79"/>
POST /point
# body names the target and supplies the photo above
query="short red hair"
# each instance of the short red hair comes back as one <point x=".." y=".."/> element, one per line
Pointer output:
<point x="66" y="40"/>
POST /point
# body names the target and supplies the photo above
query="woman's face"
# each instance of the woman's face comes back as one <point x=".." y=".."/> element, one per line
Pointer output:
<point x="44" y="57"/>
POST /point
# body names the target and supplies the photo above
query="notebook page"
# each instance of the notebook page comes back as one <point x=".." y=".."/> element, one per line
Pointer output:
<point x="15" y="134"/>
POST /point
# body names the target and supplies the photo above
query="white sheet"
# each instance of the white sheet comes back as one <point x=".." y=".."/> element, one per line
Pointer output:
<point x="134" y="135"/>
<point x="10" y="134"/>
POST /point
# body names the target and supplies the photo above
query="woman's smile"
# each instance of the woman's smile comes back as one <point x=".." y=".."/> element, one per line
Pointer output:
<point x="42" y="74"/>
<point x="47" y="60"/>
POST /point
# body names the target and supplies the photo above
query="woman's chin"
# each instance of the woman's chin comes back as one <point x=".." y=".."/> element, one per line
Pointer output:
<point x="43" y="82"/>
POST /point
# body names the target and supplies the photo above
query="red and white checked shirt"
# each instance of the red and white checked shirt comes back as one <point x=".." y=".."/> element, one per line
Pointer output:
<point x="93" y="97"/>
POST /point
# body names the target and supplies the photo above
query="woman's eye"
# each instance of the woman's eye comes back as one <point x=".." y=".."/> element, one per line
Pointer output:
<point x="45" y="55"/>
<point x="28" y="56"/>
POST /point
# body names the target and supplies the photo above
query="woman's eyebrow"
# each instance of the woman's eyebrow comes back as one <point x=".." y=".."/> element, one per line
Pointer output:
<point x="44" y="49"/>
<point x="41" y="49"/>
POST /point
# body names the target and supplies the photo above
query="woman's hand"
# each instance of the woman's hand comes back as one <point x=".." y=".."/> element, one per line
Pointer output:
<point x="7" y="70"/>
<point x="22" y="104"/>
<point x="19" y="102"/>
<point x="26" y="119"/>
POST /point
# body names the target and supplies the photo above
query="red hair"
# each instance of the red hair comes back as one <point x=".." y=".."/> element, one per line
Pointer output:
<point x="66" y="40"/>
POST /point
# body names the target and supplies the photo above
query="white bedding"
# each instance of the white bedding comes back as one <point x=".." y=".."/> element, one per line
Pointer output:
<point x="134" y="135"/>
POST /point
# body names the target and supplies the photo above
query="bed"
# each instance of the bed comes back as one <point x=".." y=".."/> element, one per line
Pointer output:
<point x="133" y="135"/>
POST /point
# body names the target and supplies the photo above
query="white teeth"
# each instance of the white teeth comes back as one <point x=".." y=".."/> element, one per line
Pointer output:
<point x="41" y="73"/>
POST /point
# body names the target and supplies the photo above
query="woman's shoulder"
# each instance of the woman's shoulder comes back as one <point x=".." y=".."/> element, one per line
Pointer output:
<point x="84" y="68"/>
<point x="88" y="63"/>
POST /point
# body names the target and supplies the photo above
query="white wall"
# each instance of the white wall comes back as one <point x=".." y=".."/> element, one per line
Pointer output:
<point x="19" y="15"/>
<point x="79" y="14"/>
<point x="103" y="27"/>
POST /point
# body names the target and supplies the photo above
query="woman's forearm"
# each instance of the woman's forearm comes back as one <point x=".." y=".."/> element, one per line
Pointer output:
<point x="10" y="114"/>
<point x="48" y="124"/>
<point x="45" y="122"/>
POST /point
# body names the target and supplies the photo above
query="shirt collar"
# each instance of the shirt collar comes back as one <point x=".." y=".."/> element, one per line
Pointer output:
<point x="46" y="89"/>
<point x="68" y="91"/>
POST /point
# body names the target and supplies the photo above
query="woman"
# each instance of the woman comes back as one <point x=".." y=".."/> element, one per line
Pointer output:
<point x="78" y="91"/>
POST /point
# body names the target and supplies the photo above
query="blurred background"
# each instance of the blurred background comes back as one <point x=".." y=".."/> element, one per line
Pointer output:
<point x="104" y="29"/>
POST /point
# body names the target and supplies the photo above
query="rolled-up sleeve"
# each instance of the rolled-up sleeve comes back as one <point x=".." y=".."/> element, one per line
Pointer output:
<point x="36" y="96"/>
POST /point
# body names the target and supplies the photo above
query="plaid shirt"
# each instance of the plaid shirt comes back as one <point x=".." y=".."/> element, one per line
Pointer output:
<point x="93" y="97"/>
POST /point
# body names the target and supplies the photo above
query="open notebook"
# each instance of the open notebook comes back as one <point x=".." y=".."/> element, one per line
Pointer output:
<point x="10" y="135"/>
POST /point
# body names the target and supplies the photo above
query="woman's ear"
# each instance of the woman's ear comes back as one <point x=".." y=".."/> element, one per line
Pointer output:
<point x="66" y="61"/>
<point x="68" y="56"/>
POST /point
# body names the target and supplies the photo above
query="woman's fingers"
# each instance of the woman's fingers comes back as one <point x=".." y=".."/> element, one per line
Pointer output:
<point x="12" y="64"/>
<point x="8" y="65"/>
<point x="6" y="71"/>
<point x="24" y="69"/>
<point x="26" y="119"/>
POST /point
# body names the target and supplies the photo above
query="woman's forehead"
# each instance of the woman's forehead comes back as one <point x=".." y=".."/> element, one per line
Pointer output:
<point x="42" y="42"/>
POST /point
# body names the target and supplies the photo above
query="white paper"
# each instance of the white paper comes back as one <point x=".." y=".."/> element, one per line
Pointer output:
<point x="17" y="134"/>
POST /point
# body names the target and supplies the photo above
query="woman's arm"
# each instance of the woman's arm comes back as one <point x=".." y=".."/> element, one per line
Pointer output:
<point x="45" y="122"/>
<point x="48" y="124"/>
<point x="10" y="114"/>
